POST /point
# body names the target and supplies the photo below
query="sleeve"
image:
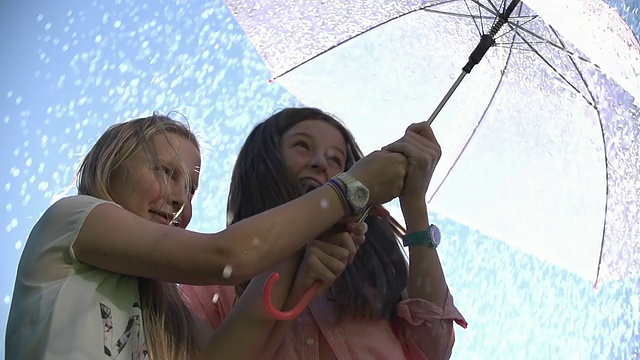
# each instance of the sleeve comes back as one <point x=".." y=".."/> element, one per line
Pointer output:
<point x="210" y="303"/>
<point x="426" y="329"/>
<point x="71" y="213"/>
<point x="56" y="231"/>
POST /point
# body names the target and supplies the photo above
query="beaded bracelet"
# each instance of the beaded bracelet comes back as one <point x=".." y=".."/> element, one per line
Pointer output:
<point x="342" y="194"/>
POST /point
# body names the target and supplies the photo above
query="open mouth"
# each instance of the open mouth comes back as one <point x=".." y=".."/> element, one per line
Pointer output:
<point x="309" y="184"/>
<point x="162" y="217"/>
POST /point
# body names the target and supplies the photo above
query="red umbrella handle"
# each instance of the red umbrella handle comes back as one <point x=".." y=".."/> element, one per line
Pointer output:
<point x="308" y="296"/>
<point x="297" y="310"/>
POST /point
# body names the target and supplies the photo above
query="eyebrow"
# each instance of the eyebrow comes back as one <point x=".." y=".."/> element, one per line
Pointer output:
<point x="304" y="134"/>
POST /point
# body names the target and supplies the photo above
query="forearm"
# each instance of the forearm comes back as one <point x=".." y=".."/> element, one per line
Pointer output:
<point x="249" y="320"/>
<point x="252" y="246"/>
<point x="280" y="328"/>
<point x="117" y="240"/>
<point x="426" y="277"/>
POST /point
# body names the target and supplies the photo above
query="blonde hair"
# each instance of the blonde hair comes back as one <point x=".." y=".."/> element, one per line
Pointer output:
<point x="167" y="322"/>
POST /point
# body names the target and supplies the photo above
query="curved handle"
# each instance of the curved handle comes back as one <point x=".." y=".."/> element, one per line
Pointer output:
<point x="293" y="313"/>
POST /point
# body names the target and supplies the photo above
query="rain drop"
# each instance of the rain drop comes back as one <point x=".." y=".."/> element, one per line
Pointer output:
<point x="215" y="298"/>
<point x="18" y="245"/>
<point x="255" y="242"/>
<point x="324" y="203"/>
<point x="226" y="272"/>
<point x="7" y="299"/>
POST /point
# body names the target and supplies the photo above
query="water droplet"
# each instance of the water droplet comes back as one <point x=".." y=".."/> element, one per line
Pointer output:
<point x="7" y="299"/>
<point x="255" y="242"/>
<point x="324" y="203"/>
<point x="215" y="298"/>
<point x="226" y="272"/>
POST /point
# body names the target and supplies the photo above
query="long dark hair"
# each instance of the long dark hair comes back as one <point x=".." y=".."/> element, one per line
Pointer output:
<point x="372" y="285"/>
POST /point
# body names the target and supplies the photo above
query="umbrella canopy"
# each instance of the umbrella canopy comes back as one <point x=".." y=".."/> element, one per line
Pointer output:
<point x="71" y="71"/>
<point x="540" y="141"/>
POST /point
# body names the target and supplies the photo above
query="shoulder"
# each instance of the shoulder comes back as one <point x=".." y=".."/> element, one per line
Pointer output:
<point x="74" y="204"/>
<point x="69" y="211"/>
<point x="60" y="223"/>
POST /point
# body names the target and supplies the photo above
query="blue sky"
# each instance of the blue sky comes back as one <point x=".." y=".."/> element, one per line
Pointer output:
<point x="69" y="71"/>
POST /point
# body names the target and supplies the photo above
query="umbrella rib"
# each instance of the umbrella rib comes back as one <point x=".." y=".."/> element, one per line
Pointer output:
<point x="545" y="41"/>
<point x="518" y="43"/>
<point x="493" y="11"/>
<point x="479" y="27"/>
<point x="359" y="34"/>
<point x="459" y="15"/>
<point x="521" y="26"/>
<point x="553" y="67"/>
<point x="475" y="129"/>
<point x="606" y="160"/>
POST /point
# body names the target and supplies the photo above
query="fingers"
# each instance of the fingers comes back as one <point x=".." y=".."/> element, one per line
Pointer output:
<point x="357" y="230"/>
<point x="340" y="252"/>
<point x="350" y="241"/>
<point x="325" y="261"/>
<point x="416" y="151"/>
<point x="415" y="146"/>
<point x="423" y="129"/>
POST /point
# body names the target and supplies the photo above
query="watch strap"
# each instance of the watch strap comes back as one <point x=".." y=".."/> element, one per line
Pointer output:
<point x="348" y="181"/>
<point x="340" y="189"/>
<point x="423" y="237"/>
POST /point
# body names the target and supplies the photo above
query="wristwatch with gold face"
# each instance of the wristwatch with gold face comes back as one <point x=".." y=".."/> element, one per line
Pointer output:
<point x="356" y="193"/>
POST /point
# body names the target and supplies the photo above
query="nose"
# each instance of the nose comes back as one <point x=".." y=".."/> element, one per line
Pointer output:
<point x="178" y="196"/>
<point x="319" y="162"/>
<point x="185" y="216"/>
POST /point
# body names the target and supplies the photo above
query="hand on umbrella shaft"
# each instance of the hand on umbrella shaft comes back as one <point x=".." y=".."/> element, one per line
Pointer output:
<point x="383" y="173"/>
<point x="420" y="146"/>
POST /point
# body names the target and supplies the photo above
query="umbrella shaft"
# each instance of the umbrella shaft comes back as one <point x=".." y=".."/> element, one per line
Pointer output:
<point x="446" y="97"/>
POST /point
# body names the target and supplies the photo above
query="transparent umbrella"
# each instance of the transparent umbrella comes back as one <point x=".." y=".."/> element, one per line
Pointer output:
<point x="73" y="69"/>
<point x="540" y="141"/>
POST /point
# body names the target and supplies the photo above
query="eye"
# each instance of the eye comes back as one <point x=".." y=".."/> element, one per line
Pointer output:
<point x="302" y="144"/>
<point x="336" y="160"/>
<point x="165" y="170"/>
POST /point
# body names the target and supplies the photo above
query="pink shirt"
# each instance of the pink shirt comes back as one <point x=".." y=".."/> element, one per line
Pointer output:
<point x="426" y="330"/>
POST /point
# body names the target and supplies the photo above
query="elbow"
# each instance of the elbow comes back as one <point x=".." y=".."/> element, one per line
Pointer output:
<point x="230" y="265"/>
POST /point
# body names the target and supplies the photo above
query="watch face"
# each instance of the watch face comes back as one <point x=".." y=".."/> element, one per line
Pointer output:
<point x="361" y="196"/>
<point x="435" y="234"/>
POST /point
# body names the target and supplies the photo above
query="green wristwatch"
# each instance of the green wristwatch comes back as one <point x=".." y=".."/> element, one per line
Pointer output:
<point x="429" y="237"/>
